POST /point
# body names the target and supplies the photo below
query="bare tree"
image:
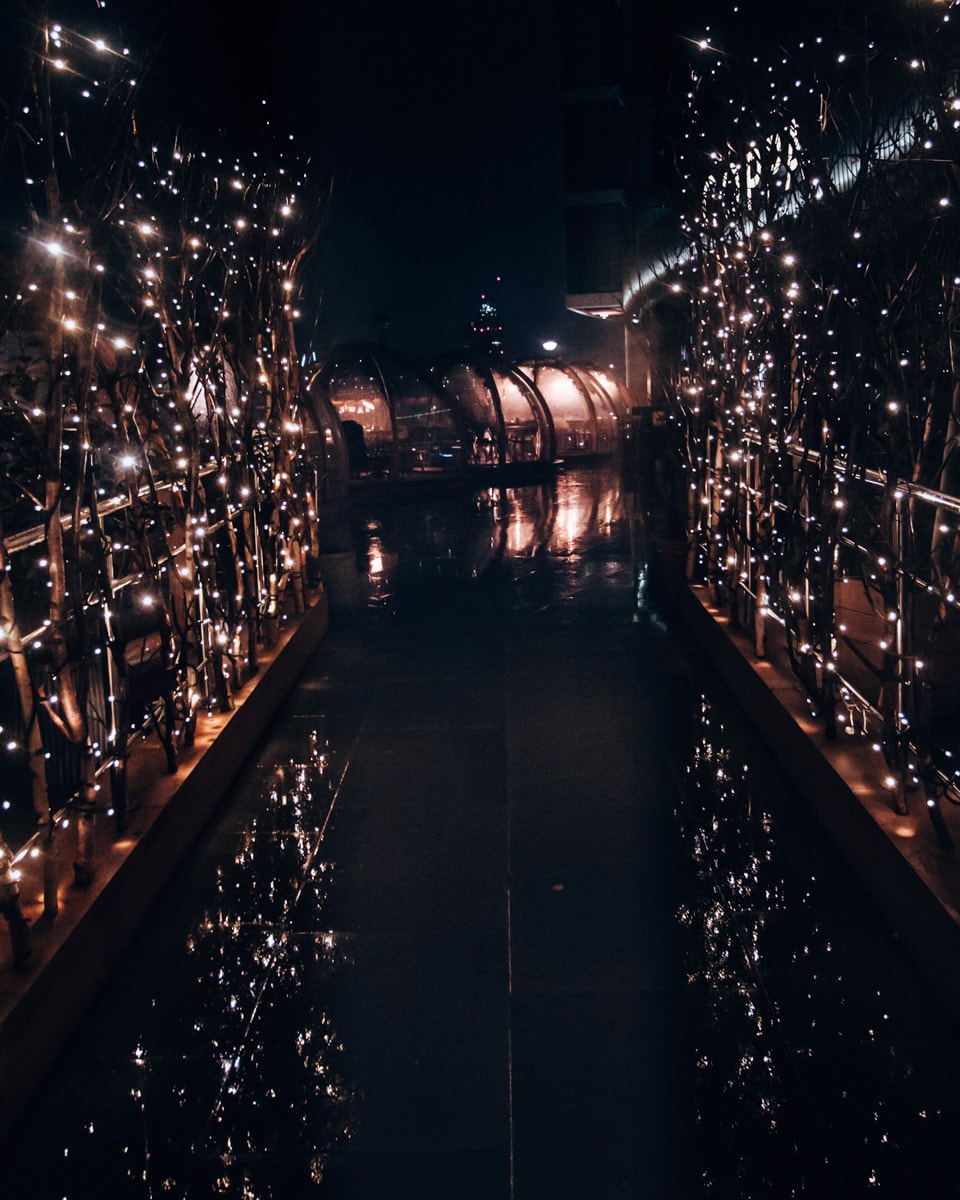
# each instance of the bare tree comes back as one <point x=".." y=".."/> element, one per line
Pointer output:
<point x="159" y="497"/>
<point x="818" y="395"/>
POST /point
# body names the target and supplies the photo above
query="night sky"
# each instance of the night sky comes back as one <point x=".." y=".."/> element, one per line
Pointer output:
<point x="439" y="125"/>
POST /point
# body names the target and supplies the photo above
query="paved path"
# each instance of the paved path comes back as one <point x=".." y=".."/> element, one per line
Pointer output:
<point x="504" y="864"/>
<point x="500" y="909"/>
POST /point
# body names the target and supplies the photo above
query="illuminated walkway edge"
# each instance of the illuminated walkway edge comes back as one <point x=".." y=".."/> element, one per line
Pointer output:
<point x="913" y="881"/>
<point x="41" y="1003"/>
<point x="911" y="878"/>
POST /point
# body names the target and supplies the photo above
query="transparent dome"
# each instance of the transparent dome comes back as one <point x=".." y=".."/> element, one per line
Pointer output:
<point x="467" y="412"/>
<point x="325" y="445"/>
<point x="503" y="415"/>
<point x="395" y="421"/>
<point x="615" y="390"/>
<point x="587" y="406"/>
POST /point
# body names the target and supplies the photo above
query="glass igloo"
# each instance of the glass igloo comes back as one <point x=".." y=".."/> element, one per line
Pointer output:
<point x="395" y="421"/>
<point x="504" y="417"/>
<point x="587" y="407"/>
<point x="467" y="413"/>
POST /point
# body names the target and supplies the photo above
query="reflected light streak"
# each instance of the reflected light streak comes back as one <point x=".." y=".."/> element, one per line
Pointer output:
<point x="758" y="966"/>
<point x="264" y="1054"/>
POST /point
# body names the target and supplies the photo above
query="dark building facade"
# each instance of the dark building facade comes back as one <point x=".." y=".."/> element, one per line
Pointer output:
<point x="620" y="191"/>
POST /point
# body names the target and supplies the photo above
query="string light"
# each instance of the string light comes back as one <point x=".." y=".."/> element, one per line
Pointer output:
<point x="139" y="406"/>
<point x="801" y="351"/>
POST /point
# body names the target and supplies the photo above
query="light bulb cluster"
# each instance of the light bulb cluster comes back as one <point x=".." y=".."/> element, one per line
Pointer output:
<point x="151" y="412"/>
<point x="821" y="283"/>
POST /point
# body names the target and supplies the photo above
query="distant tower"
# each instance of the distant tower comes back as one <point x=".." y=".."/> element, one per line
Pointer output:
<point x="382" y="322"/>
<point x="485" y="333"/>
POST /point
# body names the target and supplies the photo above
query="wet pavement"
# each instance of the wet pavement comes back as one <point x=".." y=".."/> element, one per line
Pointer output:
<point x="510" y="904"/>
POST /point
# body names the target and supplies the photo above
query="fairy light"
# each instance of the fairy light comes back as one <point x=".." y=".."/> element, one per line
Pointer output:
<point x="746" y="260"/>
<point x="186" y="289"/>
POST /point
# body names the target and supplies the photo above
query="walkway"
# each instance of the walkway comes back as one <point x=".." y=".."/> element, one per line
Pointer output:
<point x="431" y="946"/>
<point x="503" y="862"/>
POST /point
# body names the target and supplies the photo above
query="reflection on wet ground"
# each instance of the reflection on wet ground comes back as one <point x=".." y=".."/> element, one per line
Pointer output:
<point x="511" y="903"/>
<point x="823" y="1066"/>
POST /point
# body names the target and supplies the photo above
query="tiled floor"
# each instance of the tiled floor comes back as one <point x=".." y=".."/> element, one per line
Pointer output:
<point x="503" y="867"/>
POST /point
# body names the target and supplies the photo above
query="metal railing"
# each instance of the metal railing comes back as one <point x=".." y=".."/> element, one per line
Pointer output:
<point x="881" y="695"/>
